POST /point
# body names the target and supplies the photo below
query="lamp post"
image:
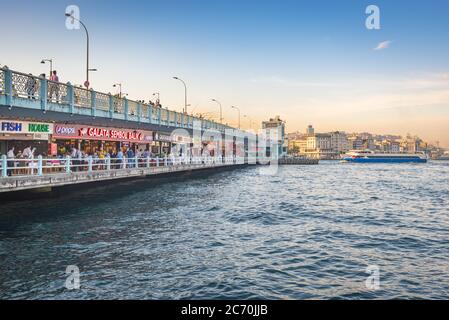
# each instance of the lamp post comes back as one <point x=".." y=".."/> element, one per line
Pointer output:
<point x="86" y="84"/>
<point x="120" y="86"/>
<point x="221" y="110"/>
<point x="51" y="65"/>
<point x="238" y="109"/>
<point x="185" y="93"/>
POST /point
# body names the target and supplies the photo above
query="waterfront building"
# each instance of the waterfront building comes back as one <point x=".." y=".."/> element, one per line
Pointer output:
<point x="355" y="142"/>
<point x="388" y="146"/>
<point x="274" y="131"/>
<point x="298" y="146"/>
<point x="319" y="146"/>
<point x="339" y="142"/>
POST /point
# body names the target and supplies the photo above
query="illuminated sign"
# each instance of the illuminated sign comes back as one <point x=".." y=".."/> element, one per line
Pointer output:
<point x="98" y="133"/>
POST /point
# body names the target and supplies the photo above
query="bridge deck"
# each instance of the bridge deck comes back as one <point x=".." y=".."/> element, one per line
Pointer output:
<point x="19" y="183"/>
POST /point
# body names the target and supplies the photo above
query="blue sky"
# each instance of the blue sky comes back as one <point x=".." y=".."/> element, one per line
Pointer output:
<point x="308" y="61"/>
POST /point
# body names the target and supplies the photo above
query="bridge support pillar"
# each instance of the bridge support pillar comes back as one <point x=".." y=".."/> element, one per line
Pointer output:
<point x="125" y="101"/>
<point x="8" y="87"/>
<point x="43" y="93"/>
<point x="93" y="103"/>
<point x="111" y="106"/>
<point x="71" y="97"/>
<point x="150" y="114"/>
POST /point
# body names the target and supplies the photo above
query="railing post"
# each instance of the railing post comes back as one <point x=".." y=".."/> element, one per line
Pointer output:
<point x="182" y="120"/>
<point x="148" y="162"/>
<point x="111" y="106"/>
<point x="8" y="87"/>
<point x="150" y="114"/>
<point x="157" y="161"/>
<point x="39" y="165"/>
<point x="168" y="117"/>
<point x="159" y="116"/>
<point x="89" y="161"/>
<point x="126" y="107"/>
<point x="71" y="97"/>
<point x="139" y="111"/>
<point x="67" y="164"/>
<point x="165" y="161"/>
<point x="43" y="94"/>
<point x="125" y="163"/>
<point x="175" y="118"/>
<point x="4" y="166"/>
<point x="136" y="162"/>
<point x="93" y="103"/>
<point x="108" y="163"/>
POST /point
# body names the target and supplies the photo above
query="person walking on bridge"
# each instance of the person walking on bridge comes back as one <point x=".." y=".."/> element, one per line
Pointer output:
<point x="31" y="86"/>
<point x="54" y="86"/>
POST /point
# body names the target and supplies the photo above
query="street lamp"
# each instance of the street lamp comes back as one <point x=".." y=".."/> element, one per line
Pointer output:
<point x="51" y="64"/>
<point x="238" y="109"/>
<point x="158" y="96"/>
<point x="86" y="84"/>
<point x="221" y="110"/>
<point x="120" y="86"/>
<point x="185" y="93"/>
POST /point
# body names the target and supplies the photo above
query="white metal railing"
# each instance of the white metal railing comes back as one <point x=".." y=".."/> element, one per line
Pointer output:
<point x="40" y="166"/>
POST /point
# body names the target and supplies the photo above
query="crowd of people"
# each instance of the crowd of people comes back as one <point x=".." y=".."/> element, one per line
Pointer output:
<point x="19" y="160"/>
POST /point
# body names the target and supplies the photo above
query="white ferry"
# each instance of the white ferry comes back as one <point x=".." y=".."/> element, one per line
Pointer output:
<point x="369" y="156"/>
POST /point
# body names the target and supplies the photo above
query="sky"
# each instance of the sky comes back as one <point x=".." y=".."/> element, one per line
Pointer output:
<point x="310" y="62"/>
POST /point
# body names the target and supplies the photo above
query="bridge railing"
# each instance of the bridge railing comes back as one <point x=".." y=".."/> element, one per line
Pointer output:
<point x="24" y="85"/>
<point x="66" y="97"/>
<point x="49" y="166"/>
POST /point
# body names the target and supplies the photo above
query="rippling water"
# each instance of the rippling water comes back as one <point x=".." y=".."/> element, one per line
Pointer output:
<point x="308" y="232"/>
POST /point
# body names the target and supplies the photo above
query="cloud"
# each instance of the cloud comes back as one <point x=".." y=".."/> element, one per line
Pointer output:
<point x="383" y="45"/>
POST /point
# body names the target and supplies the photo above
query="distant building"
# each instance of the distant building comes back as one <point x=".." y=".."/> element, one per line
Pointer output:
<point x="319" y="146"/>
<point x="310" y="130"/>
<point x="274" y="131"/>
<point x="355" y="142"/>
<point x="339" y="142"/>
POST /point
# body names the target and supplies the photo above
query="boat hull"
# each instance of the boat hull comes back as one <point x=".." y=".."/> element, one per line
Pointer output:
<point x="385" y="160"/>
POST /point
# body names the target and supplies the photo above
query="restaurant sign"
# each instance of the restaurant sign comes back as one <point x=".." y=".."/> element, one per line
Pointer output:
<point x="97" y="133"/>
<point x="25" y="127"/>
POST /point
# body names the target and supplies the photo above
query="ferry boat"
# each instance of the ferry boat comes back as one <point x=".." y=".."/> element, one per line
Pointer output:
<point x="369" y="156"/>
